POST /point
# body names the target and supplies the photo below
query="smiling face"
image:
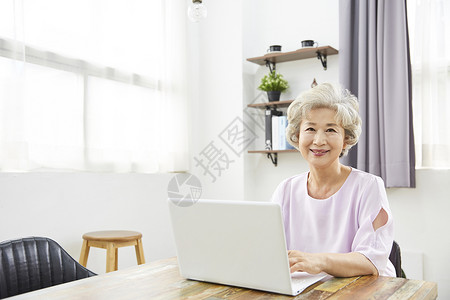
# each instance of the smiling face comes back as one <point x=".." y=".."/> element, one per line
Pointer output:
<point x="321" y="139"/>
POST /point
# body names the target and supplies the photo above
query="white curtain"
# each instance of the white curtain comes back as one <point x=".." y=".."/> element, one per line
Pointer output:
<point x="429" y="24"/>
<point x="93" y="85"/>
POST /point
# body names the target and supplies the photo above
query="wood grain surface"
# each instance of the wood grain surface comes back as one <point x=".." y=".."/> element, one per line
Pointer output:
<point x="161" y="280"/>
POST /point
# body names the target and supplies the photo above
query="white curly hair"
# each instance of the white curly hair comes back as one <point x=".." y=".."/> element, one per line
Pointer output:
<point x="326" y="95"/>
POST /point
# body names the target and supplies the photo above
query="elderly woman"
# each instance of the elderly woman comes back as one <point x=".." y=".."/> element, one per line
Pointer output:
<point x="337" y="219"/>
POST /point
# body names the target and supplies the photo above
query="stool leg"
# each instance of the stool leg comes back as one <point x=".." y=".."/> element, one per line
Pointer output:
<point x="84" y="253"/>
<point x="110" y="257"/>
<point x="116" y="260"/>
<point x="139" y="252"/>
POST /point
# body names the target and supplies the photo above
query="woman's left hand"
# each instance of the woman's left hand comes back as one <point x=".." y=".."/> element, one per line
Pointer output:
<point x="312" y="263"/>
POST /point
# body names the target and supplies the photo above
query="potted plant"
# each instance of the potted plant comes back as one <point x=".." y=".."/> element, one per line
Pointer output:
<point x="274" y="84"/>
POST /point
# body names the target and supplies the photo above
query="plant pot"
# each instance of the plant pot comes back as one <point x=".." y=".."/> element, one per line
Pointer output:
<point x="273" y="96"/>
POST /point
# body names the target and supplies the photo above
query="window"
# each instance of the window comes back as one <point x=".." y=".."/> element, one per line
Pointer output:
<point x="429" y="30"/>
<point x="90" y="85"/>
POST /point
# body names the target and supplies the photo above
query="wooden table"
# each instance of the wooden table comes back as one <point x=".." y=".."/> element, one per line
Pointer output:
<point x="161" y="280"/>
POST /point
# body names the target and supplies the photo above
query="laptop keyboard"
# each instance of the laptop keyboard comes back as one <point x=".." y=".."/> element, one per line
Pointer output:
<point x="302" y="281"/>
<point x="297" y="281"/>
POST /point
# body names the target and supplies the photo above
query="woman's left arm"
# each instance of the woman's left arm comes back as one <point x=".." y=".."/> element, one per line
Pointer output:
<point x="335" y="264"/>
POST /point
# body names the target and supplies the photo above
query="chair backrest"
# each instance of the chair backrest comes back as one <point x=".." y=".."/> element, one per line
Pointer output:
<point x="34" y="263"/>
<point x="396" y="258"/>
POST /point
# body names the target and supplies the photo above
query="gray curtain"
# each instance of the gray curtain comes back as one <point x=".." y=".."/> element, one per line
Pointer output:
<point x="374" y="64"/>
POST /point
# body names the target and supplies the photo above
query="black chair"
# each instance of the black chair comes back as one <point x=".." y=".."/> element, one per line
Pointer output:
<point x="34" y="263"/>
<point x="396" y="258"/>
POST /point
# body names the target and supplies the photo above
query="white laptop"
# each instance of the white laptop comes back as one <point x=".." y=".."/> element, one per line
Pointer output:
<point x="238" y="243"/>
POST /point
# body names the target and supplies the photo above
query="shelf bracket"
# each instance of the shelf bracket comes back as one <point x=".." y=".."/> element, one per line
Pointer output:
<point x="273" y="158"/>
<point x="323" y="59"/>
<point x="272" y="65"/>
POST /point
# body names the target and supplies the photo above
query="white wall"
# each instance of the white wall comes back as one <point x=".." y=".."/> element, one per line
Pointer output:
<point x="421" y="224"/>
<point x="216" y="48"/>
<point x="63" y="206"/>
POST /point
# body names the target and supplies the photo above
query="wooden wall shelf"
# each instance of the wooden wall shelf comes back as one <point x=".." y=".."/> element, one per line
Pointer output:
<point x="303" y="53"/>
<point x="271" y="59"/>
<point x="273" y="154"/>
<point x="284" y="103"/>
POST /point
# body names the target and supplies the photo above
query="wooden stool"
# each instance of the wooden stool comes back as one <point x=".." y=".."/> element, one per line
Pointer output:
<point x="111" y="240"/>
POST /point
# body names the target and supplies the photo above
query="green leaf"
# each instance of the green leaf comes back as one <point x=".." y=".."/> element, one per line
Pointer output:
<point x="273" y="82"/>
